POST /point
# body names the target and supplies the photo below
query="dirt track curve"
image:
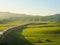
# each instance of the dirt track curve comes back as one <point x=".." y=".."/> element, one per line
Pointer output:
<point x="9" y="39"/>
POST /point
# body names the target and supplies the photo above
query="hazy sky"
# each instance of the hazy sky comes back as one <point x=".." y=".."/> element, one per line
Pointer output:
<point x="34" y="7"/>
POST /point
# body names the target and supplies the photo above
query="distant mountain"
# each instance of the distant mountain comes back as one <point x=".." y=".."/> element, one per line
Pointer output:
<point x="55" y="17"/>
<point x="4" y="15"/>
<point x="7" y="17"/>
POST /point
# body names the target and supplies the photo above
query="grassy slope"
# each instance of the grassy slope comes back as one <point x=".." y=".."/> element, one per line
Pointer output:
<point x="38" y="32"/>
<point x="9" y="24"/>
<point x="50" y="31"/>
<point x="16" y="36"/>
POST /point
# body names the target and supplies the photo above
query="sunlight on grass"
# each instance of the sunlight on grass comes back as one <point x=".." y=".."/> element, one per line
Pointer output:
<point x="10" y="24"/>
<point x="35" y="33"/>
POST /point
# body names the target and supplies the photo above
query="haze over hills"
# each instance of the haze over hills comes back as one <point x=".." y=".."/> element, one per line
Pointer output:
<point x="7" y="16"/>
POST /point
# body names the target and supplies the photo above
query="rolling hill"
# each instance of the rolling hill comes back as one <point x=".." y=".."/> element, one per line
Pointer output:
<point x="7" y="17"/>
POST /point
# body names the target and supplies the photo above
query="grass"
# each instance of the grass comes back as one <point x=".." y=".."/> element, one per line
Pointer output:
<point x="10" y="24"/>
<point x="35" y="33"/>
<point x="16" y="35"/>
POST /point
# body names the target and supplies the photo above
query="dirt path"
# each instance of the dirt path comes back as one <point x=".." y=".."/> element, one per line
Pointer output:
<point x="8" y="37"/>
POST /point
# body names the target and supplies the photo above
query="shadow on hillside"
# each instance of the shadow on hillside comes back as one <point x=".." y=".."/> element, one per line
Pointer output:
<point x="38" y="23"/>
<point x="15" y="37"/>
<point x="40" y="26"/>
<point x="56" y="32"/>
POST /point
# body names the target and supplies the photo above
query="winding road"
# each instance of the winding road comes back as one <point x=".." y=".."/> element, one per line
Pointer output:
<point x="10" y="36"/>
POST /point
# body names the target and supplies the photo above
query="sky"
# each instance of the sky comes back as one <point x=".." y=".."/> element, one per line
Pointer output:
<point x="31" y="7"/>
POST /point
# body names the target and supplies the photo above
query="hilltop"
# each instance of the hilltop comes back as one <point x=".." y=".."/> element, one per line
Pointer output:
<point x="7" y="17"/>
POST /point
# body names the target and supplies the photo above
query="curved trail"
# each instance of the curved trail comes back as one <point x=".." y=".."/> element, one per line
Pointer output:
<point x="10" y="37"/>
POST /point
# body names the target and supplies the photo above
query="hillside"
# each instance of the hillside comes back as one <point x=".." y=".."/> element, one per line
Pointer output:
<point x="7" y="17"/>
<point x="55" y="17"/>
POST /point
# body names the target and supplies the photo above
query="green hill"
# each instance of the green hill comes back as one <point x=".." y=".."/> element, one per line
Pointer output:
<point x="8" y="17"/>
